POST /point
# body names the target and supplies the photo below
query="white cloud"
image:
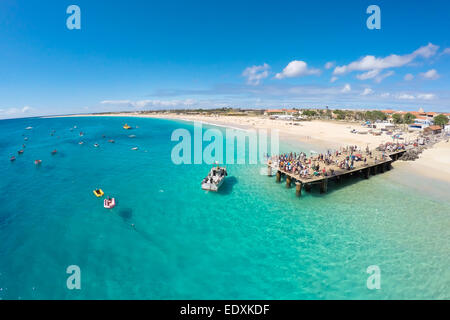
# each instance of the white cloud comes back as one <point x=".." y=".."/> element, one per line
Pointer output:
<point x="430" y="74"/>
<point x="426" y="51"/>
<point x="141" y="104"/>
<point x="419" y="96"/>
<point x="367" y="91"/>
<point x="409" y="77"/>
<point x="368" y="75"/>
<point x="255" y="74"/>
<point x="333" y="79"/>
<point x="410" y="96"/>
<point x="329" y="65"/>
<point x="26" y="109"/>
<point x="11" y="111"/>
<point x="296" y="68"/>
<point x="383" y="76"/>
<point x="347" y="88"/>
<point x="426" y="96"/>
<point x="405" y="96"/>
<point x="15" y="111"/>
<point x="374" y="74"/>
<point x="370" y="62"/>
<point x="446" y="51"/>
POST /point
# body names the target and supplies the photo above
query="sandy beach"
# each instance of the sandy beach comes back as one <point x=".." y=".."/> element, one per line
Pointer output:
<point x="433" y="163"/>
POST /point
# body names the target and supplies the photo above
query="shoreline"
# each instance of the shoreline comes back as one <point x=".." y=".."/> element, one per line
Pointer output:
<point x="433" y="163"/>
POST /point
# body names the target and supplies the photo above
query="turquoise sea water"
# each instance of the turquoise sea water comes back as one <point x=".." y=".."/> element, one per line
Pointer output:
<point x="252" y="240"/>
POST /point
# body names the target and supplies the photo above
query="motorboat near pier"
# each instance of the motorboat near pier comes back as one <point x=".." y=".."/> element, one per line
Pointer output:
<point x="214" y="179"/>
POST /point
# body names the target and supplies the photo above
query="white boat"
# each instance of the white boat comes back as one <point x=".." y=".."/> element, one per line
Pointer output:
<point x="214" y="179"/>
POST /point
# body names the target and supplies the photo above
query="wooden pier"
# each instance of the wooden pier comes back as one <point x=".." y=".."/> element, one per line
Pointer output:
<point x="371" y="168"/>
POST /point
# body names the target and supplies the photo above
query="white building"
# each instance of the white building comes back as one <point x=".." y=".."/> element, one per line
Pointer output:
<point x="420" y="123"/>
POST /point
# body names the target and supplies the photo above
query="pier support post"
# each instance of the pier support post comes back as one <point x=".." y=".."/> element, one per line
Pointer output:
<point x="374" y="170"/>
<point x="382" y="167"/>
<point x="367" y="173"/>
<point x="278" y="176"/>
<point x="288" y="181"/>
<point x="269" y="171"/>
<point x="298" y="189"/>
<point x="324" y="186"/>
<point x="389" y="166"/>
<point x="308" y="187"/>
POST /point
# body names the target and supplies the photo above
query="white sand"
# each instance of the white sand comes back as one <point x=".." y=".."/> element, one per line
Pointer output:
<point x="329" y="134"/>
<point x="433" y="163"/>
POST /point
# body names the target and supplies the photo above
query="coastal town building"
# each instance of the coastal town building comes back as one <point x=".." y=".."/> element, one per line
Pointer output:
<point x="432" y="130"/>
<point x="421" y="119"/>
<point x="420" y="123"/>
<point x="447" y="129"/>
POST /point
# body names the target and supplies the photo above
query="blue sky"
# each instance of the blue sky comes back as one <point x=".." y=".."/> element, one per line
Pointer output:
<point x="134" y="55"/>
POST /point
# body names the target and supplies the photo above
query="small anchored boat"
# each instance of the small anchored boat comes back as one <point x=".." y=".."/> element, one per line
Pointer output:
<point x="54" y="152"/>
<point x="109" y="203"/>
<point x="126" y="126"/>
<point x="20" y="152"/>
<point x="12" y="158"/>
<point x="135" y="148"/>
<point x="214" y="179"/>
<point x="96" y="145"/>
<point x="111" y="141"/>
<point x="37" y="162"/>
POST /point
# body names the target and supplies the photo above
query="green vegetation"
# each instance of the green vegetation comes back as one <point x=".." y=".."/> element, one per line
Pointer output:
<point x="408" y="118"/>
<point x="398" y="119"/>
<point x="441" y="120"/>
<point x="359" y="115"/>
<point x="309" y="113"/>
<point x="340" y="115"/>
<point x="374" y="115"/>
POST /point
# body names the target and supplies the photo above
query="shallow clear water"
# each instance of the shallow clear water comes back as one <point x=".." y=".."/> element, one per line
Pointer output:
<point x="253" y="240"/>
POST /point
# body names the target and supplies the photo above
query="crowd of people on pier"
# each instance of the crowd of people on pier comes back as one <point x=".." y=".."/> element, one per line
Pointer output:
<point x="323" y="164"/>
